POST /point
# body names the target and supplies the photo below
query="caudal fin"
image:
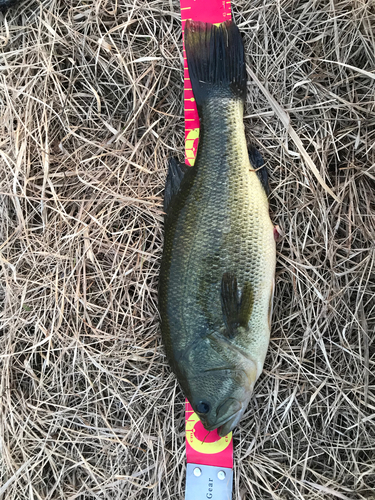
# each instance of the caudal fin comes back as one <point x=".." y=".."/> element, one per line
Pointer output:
<point x="216" y="60"/>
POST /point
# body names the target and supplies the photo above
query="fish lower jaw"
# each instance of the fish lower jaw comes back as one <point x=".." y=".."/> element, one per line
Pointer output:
<point x="219" y="425"/>
<point x="226" y="427"/>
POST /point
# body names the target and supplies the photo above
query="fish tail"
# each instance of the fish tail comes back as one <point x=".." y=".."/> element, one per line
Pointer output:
<point x="216" y="60"/>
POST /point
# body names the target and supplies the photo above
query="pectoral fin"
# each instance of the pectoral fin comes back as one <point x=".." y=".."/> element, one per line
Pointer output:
<point x="176" y="171"/>
<point x="236" y="306"/>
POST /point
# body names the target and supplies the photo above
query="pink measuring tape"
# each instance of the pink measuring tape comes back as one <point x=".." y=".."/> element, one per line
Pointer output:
<point x="209" y="471"/>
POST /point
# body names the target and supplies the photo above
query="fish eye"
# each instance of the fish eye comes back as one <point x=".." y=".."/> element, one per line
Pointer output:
<point x="203" y="407"/>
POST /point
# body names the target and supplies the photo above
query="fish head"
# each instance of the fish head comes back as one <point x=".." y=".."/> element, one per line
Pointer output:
<point x="220" y="396"/>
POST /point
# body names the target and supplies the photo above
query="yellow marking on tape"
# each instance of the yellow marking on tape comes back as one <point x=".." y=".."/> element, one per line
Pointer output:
<point x="189" y="145"/>
<point x="204" y="447"/>
<point x="185" y="8"/>
<point x="193" y="135"/>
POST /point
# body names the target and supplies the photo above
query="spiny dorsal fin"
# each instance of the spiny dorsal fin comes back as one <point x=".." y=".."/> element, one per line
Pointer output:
<point x="236" y="307"/>
<point x="176" y="171"/>
<point x="257" y="162"/>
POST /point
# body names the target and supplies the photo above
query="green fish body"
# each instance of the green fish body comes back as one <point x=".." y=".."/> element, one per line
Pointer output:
<point x="218" y="263"/>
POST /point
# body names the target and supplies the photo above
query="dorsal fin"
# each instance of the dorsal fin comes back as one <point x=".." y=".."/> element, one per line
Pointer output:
<point x="176" y="172"/>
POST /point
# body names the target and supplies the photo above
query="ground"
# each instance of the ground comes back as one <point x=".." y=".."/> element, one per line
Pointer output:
<point x="91" y="107"/>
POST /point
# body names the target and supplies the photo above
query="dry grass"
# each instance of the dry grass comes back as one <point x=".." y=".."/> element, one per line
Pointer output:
<point x="91" y="107"/>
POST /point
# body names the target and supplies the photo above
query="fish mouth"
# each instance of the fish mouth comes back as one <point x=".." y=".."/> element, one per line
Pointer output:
<point x="226" y="425"/>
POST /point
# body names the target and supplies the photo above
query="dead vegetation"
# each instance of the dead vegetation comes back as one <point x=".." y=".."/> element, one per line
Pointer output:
<point x="91" y="107"/>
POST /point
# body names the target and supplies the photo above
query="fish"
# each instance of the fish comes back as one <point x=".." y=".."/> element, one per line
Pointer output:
<point x="218" y="263"/>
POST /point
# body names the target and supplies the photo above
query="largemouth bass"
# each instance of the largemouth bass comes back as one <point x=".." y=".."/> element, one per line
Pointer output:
<point x="218" y="263"/>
